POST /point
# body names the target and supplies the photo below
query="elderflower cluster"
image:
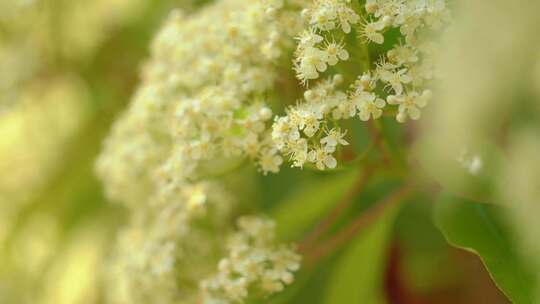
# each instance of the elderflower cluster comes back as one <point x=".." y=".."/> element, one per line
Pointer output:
<point x="409" y="16"/>
<point x="304" y="134"/>
<point x="167" y="249"/>
<point x="313" y="53"/>
<point x="310" y="131"/>
<point x="205" y="102"/>
<point x="165" y="253"/>
<point x="254" y="264"/>
<point x="407" y="68"/>
<point x="202" y="106"/>
<point x="203" y="97"/>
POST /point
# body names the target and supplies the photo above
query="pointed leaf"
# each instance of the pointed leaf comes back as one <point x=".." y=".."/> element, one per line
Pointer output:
<point x="359" y="274"/>
<point x="478" y="228"/>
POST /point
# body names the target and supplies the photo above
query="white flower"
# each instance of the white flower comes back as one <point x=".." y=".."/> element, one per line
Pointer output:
<point x="368" y="105"/>
<point x="332" y="139"/>
<point x="310" y="121"/>
<point x="335" y="52"/>
<point x="402" y="54"/>
<point x="344" y="109"/>
<point x="410" y="104"/>
<point x="308" y="38"/>
<point x="310" y="62"/>
<point x="299" y="152"/>
<point x="347" y="16"/>
<point x="284" y="131"/>
<point x="371" y="32"/>
<point x="365" y="82"/>
<point x="395" y="79"/>
<point x="323" y="16"/>
<point x="409" y="25"/>
<point x="322" y="158"/>
<point x="270" y="285"/>
<point x="325" y="13"/>
<point x="255" y="263"/>
<point x="436" y="14"/>
<point x="269" y="161"/>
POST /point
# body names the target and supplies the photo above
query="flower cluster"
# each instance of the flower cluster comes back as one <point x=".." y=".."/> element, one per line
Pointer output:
<point x="162" y="239"/>
<point x="409" y="65"/>
<point x="254" y="263"/>
<point x="310" y="131"/>
<point x="202" y="105"/>
<point x="205" y="103"/>
<point x="313" y="53"/>
<point x="304" y="134"/>
<point x="163" y="254"/>
<point x="179" y="119"/>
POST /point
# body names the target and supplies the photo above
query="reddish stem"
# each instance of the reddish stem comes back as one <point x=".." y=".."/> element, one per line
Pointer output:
<point x="357" y="225"/>
<point x="340" y="207"/>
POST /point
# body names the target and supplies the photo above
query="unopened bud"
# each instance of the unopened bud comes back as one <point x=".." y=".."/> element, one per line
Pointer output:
<point x="338" y="79"/>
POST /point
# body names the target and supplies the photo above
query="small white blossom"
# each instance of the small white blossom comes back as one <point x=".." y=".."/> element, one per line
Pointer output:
<point x="371" y="32"/>
<point x="270" y="161"/>
<point x="335" y="52"/>
<point x="308" y="38"/>
<point x="402" y="54"/>
<point x="368" y="105"/>
<point x="322" y="158"/>
<point x="333" y="138"/>
<point x="410" y="105"/>
<point x="310" y="120"/>
<point x="395" y="79"/>
<point x="255" y="262"/>
<point x="310" y="62"/>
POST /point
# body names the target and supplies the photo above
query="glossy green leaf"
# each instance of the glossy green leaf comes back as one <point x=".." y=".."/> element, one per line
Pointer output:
<point x="478" y="228"/>
<point x="358" y="275"/>
<point x="301" y="209"/>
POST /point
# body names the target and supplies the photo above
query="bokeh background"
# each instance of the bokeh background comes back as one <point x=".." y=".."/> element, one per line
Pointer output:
<point x="69" y="67"/>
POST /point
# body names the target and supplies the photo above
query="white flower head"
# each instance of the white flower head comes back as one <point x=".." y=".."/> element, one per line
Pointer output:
<point x="335" y="52"/>
<point x="371" y="32"/>
<point x="395" y="79"/>
<point x="333" y="138"/>
<point x="255" y="262"/>
<point x="410" y="105"/>
<point x="322" y="158"/>
<point x="369" y="105"/>
<point x="270" y="161"/>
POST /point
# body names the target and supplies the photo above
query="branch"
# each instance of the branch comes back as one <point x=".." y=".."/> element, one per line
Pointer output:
<point x="362" y="221"/>
<point x="308" y="242"/>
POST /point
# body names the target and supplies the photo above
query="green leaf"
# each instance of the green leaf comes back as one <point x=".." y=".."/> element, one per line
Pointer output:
<point x="358" y="275"/>
<point x="301" y="209"/>
<point x="423" y="250"/>
<point x="477" y="228"/>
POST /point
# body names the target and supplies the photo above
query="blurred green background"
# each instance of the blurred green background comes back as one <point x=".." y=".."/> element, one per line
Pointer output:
<point x="68" y="67"/>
